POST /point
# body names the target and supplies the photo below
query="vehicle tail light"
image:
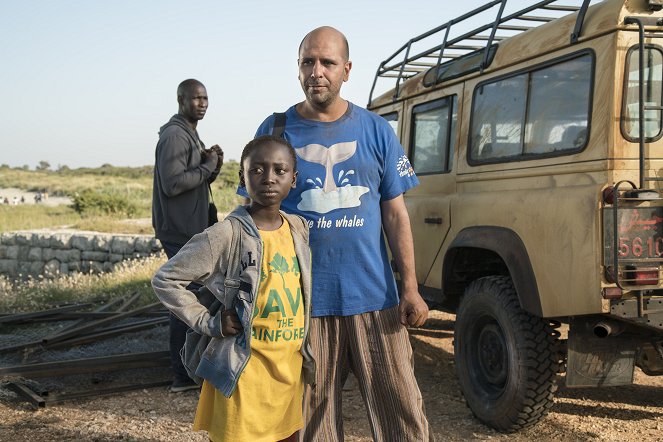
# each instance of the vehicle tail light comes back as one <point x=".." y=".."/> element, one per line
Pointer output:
<point x="609" y="195"/>
<point x="644" y="276"/>
<point x="612" y="293"/>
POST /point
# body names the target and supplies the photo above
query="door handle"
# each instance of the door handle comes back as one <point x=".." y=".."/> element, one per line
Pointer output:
<point x="433" y="220"/>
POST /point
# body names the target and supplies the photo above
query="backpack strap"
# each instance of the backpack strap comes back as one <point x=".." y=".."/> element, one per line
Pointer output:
<point x="232" y="283"/>
<point x="279" y="124"/>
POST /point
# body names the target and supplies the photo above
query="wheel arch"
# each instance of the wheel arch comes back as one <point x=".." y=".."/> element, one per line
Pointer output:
<point x="498" y="251"/>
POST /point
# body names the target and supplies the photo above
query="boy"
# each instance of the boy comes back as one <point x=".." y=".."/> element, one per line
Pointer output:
<point x="253" y="370"/>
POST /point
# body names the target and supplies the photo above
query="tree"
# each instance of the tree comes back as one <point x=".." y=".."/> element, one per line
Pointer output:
<point x="43" y="165"/>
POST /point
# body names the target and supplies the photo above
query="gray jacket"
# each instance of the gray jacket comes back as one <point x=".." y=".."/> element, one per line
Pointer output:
<point x="180" y="197"/>
<point x="205" y="259"/>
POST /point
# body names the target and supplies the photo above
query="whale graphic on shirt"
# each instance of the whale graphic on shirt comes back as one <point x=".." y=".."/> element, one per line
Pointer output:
<point x="329" y="195"/>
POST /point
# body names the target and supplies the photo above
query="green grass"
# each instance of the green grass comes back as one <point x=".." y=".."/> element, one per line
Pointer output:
<point x="112" y="225"/>
<point x="38" y="293"/>
<point x="58" y="183"/>
<point x="35" y="216"/>
<point x="132" y="184"/>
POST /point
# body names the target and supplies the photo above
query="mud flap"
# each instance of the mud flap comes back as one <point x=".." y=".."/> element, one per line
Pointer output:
<point x="650" y="358"/>
<point x="597" y="362"/>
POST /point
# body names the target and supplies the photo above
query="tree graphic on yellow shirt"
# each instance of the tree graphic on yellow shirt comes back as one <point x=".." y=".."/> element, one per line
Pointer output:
<point x="279" y="265"/>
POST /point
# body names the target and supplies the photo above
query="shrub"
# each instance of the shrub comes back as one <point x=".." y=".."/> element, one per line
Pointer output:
<point x="90" y="202"/>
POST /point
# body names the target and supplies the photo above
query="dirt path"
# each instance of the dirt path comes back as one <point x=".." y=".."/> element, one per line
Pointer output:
<point x="633" y="413"/>
<point x="14" y="195"/>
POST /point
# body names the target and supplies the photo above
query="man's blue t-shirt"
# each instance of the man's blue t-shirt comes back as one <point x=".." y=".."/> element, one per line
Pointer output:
<point x="346" y="168"/>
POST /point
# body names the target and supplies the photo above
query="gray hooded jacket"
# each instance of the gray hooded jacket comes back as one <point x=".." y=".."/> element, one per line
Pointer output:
<point x="180" y="197"/>
<point x="204" y="259"/>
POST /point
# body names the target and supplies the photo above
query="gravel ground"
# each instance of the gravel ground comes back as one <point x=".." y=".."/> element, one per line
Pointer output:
<point x="633" y="413"/>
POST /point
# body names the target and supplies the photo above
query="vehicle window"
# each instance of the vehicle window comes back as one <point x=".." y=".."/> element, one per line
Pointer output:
<point x="653" y="74"/>
<point x="541" y="112"/>
<point x="392" y="119"/>
<point x="433" y="135"/>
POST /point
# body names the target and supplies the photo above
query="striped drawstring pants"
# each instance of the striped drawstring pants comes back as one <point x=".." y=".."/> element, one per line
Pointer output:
<point x="376" y="348"/>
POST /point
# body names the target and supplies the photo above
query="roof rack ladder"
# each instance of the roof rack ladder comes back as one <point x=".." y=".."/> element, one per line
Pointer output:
<point x="400" y="72"/>
<point x="496" y="23"/>
<point x="439" y="57"/>
<point x="577" y="29"/>
<point x="641" y="94"/>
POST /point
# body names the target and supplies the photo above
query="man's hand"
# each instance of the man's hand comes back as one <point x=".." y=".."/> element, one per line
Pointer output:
<point x="413" y="309"/>
<point x="230" y="324"/>
<point x="210" y="157"/>
<point x="219" y="152"/>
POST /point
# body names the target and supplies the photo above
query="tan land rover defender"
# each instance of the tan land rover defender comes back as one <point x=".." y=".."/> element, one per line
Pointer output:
<point x="537" y="138"/>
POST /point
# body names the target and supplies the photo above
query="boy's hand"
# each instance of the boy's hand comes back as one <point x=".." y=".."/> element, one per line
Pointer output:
<point x="230" y="324"/>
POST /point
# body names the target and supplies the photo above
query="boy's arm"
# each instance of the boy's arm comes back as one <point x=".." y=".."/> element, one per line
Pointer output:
<point x="193" y="263"/>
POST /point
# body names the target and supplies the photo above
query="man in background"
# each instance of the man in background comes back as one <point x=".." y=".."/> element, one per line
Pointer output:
<point x="183" y="171"/>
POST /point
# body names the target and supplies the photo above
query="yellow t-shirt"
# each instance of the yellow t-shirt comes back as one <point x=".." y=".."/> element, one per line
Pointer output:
<point x="267" y="403"/>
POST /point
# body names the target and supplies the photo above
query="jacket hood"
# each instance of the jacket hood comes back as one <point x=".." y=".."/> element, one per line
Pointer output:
<point x="179" y="121"/>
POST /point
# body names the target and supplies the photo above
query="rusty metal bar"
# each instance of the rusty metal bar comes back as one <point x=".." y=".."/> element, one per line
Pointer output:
<point x="96" y="324"/>
<point x="76" y="316"/>
<point x="108" y="333"/>
<point x="28" y="316"/>
<point x="105" y="391"/>
<point x="23" y="346"/>
<point x="129" y="302"/>
<point x="102" y="309"/>
<point x="38" y="401"/>
<point x="27" y="393"/>
<point x="89" y="365"/>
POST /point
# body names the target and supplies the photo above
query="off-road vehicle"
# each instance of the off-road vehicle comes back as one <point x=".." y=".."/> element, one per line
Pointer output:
<point x="539" y="218"/>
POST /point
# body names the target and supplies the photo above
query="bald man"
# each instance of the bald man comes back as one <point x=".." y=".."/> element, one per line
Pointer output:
<point x="183" y="171"/>
<point x="352" y="176"/>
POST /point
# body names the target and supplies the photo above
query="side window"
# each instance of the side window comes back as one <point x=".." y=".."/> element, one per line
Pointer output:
<point x="653" y="62"/>
<point x="392" y="119"/>
<point x="433" y="135"/>
<point x="542" y="112"/>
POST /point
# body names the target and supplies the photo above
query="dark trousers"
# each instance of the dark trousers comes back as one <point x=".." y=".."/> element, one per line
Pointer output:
<point x="177" y="327"/>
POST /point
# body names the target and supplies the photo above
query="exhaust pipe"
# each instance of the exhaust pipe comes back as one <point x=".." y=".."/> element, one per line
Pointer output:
<point x="603" y="329"/>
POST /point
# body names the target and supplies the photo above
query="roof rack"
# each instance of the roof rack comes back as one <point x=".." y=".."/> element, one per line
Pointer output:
<point x="474" y="41"/>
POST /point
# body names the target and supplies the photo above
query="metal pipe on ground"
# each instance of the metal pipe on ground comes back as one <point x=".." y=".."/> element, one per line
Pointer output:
<point x="102" y="309"/>
<point x="30" y="316"/>
<point x="96" y="324"/>
<point x="93" y="315"/>
<point x="89" y="365"/>
<point x="108" y="333"/>
<point x="38" y="401"/>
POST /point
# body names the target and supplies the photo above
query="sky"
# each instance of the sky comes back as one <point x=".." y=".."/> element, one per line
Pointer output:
<point x="86" y="82"/>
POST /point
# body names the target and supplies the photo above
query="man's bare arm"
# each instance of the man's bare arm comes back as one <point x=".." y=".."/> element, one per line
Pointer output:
<point x="396" y="223"/>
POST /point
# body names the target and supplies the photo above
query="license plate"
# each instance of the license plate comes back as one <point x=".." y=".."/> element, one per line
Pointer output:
<point x="639" y="234"/>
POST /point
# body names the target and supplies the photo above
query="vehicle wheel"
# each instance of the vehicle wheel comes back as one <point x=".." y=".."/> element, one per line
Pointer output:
<point x="506" y="358"/>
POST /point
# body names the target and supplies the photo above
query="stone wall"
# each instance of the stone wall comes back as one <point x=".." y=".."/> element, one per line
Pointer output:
<point x="62" y="252"/>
